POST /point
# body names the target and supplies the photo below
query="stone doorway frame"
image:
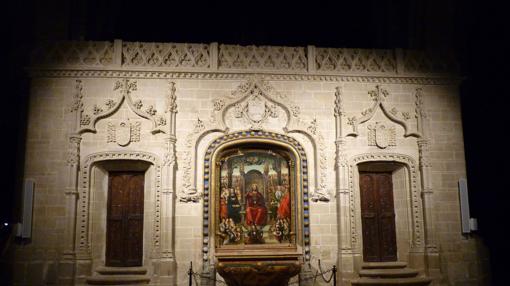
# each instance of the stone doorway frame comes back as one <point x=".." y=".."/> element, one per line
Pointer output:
<point x="400" y="182"/>
<point x="83" y="236"/>
<point x="416" y="250"/>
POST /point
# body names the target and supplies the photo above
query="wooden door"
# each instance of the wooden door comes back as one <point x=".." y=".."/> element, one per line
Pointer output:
<point x="124" y="228"/>
<point x="378" y="217"/>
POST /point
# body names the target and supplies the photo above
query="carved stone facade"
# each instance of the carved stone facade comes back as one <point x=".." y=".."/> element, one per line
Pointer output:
<point x="97" y="107"/>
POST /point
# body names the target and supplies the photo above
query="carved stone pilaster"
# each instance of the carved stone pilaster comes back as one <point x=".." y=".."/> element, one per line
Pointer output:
<point x="427" y="196"/>
<point x="342" y="185"/>
<point x="68" y="255"/>
<point x="168" y="199"/>
<point x="71" y="191"/>
<point x="342" y="195"/>
<point x="429" y="220"/>
<point x="167" y="265"/>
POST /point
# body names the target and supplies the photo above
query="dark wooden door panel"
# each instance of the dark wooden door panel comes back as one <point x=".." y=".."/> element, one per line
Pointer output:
<point x="369" y="219"/>
<point x="124" y="238"/>
<point x="377" y="217"/>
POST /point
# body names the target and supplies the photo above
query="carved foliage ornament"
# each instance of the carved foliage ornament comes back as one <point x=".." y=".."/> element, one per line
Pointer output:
<point x="189" y="193"/>
<point x="339" y="106"/>
<point x="379" y="96"/>
<point x="171" y="99"/>
<point x="255" y="101"/>
<point x="320" y="193"/>
<point x="125" y="87"/>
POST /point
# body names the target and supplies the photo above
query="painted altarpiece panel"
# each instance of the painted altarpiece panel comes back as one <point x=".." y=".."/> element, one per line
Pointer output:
<point x="256" y="199"/>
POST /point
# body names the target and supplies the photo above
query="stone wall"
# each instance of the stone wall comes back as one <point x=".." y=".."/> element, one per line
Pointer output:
<point x="315" y="85"/>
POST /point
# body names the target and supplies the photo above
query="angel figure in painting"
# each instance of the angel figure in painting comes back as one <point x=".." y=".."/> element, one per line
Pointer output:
<point x="284" y="207"/>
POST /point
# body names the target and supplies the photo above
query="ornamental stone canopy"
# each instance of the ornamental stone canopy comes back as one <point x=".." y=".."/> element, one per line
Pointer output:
<point x="214" y="58"/>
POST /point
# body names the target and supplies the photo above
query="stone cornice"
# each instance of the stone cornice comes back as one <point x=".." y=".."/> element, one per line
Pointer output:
<point x="158" y="74"/>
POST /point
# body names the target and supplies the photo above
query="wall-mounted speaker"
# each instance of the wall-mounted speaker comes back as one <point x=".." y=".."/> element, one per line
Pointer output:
<point x="468" y="224"/>
<point x="25" y="229"/>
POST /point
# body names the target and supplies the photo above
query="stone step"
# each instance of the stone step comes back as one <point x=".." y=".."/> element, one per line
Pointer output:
<point x="383" y="265"/>
<point x="106" y="270"/>
<point x="118" y="279"/>
<point x="389" y="273"/>
<point x="414" y="281"/>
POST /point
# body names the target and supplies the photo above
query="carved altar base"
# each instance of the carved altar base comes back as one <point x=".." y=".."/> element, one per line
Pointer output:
<point x="259" y="272"/>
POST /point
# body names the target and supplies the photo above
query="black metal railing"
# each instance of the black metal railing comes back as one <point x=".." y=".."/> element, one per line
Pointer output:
<point x="195" y="277"/>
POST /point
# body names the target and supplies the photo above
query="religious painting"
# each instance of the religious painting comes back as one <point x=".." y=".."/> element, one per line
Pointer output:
<point x="256" y="198"/>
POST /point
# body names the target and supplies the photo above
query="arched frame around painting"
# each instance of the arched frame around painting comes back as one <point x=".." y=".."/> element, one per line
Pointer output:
<point x="261" y="141"/>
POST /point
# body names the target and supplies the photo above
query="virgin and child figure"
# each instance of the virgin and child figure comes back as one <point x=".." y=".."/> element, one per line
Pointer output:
<point x="233" y="206"/>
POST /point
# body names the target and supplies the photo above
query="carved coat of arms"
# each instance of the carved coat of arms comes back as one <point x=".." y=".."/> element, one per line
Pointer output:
<point x="256" y="109"/>
<point x="123" y="132"/>
<point x="381" y="135"/>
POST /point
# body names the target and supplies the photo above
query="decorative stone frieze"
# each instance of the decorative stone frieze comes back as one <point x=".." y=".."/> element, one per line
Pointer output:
<point x="237" y="57"/>
<point x="172" y="57"/>
<point x="355" y="60"/>
<point x="73" y="53"/>
<point x="169" y="55"/>
<point x="415" y="61"/>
